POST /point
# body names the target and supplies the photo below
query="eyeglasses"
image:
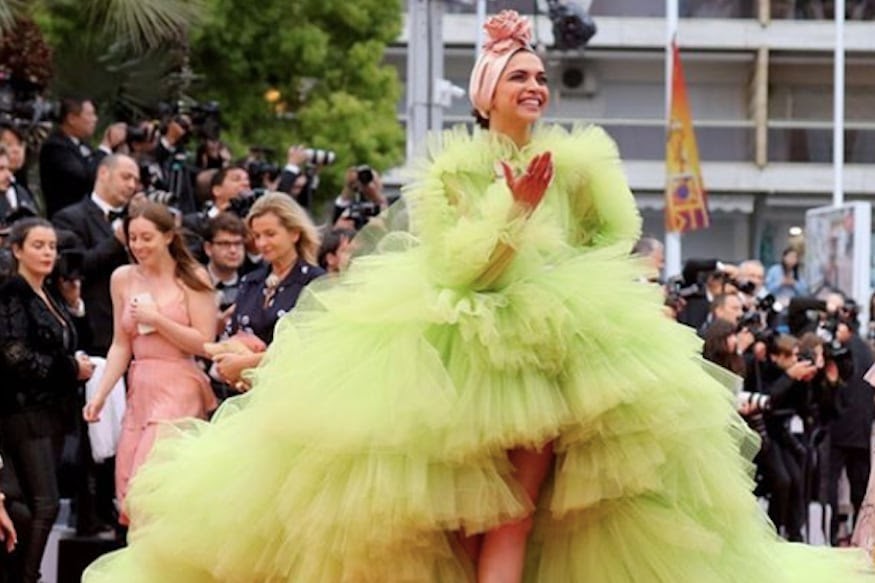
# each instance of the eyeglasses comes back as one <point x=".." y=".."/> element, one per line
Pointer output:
<point x="228" y="244"/>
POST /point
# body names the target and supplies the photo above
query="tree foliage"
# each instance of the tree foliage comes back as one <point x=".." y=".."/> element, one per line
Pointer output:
<point x="323" y="58"/>
<point x="320" y="59"/>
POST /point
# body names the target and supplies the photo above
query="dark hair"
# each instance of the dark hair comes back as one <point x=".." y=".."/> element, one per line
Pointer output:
<point x="481" y="121"/>
<point x="331" y="242"/>
<point x="21" y="228"/>
<point x="228" y="222"/>
<point x="160" y="216"/>
<point x="8" y="127"/>
<point x="715" y="349"/>
<point x="783" y="345"/>
<point x="71" y="105"/>
<point x="795" y="268"/>
<point x="221" y="174"/>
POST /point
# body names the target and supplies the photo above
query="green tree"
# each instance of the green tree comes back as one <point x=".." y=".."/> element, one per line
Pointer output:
<point x="121" y="53"/>
<point x="322" y="62"/>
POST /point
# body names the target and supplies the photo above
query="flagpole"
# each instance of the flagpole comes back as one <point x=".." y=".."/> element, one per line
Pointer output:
<point x="838" y="121"/>
<point x="672" y="239"/>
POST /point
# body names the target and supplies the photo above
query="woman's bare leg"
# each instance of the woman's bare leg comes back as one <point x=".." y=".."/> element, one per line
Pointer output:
<point x="471" y="544"/>
<point x="503" y="553"/>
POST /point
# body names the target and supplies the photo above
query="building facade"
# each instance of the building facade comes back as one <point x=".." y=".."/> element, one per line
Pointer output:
<point x="760" y="80"/>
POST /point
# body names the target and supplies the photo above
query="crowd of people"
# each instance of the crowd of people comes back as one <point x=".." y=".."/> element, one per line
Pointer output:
<point x="494" y="352"/>
<point x="142" y="265"/>
<point x="802" y="358"/>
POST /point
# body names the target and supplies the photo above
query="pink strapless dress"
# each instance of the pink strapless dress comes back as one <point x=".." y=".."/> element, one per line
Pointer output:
<point x="164" y="384"/>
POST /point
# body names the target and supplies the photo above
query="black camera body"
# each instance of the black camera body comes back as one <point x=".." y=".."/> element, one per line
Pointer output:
<point x="573" y="27"/>
<point x="23" y="108"/>
<point x="242" y="204"/>
<point x="364" y="174"/>
<point x="203" y="120"/>
<point x="69" y="264"/>
<point x="361" y="211"/>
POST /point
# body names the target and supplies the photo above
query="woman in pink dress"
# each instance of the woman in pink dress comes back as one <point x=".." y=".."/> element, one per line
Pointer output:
<point x="163" y="311"/>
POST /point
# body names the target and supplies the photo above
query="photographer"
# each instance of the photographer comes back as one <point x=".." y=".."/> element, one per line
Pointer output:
<point x="850" y="432"/>
<point x="66" y="162"/>
<point x="702" y="280"/>
<point x="228" y="187"/>
<point x="782" y="455"/>
<point x="726" y="307"/>
<point x="300" y="176"/>
<point x="361" y="198"/>
<point x="172" y="156"/>
<point x="17" y="198"/>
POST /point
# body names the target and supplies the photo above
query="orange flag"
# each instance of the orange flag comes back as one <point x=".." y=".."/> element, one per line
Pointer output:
<point x="686" y="202"/>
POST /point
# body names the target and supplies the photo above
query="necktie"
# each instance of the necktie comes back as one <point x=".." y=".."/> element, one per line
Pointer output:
<point x="112" y="215"/>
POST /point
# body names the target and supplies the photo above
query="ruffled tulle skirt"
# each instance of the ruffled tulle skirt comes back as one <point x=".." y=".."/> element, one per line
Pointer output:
<point x="378" y="426"/>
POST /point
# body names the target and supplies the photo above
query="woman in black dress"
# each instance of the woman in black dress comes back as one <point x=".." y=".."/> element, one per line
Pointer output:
<point x="40" y="372"/>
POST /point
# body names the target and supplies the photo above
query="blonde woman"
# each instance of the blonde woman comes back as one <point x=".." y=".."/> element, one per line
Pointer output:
<point x="288" y="243"/>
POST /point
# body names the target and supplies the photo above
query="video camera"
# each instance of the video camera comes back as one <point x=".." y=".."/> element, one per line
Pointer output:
<point x="22" y="107"/>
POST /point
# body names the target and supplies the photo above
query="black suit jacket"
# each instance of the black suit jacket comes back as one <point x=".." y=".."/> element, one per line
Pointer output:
<point x="66" y="171"/>
<point x="24" y="199"/>
<point x="102" y="253"/>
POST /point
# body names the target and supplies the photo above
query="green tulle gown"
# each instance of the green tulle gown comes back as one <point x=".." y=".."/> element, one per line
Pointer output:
<point x="378" y="424"/>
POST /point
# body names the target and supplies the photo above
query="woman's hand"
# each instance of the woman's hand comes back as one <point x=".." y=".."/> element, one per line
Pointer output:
<point x="144" y="312"/>
<point x="230" y="367"/>
<point x="92" y="409"/>
<point x="7" y="529"/>
<point x="529" y="189"/>
<point x="86" y="367"/>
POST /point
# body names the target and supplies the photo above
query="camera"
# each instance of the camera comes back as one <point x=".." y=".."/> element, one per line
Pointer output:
<point x="361" y="211"/>
<point x="22" y="107"/>
<point x="751" y="321"/>
<point x="806" y="356"/>
<point x="320" y="157"/>
<point x="745" y="287"/>
<point x="757" y="401"/>
<point x="69" y="264"/>
<point x="135" y="134"/>
<point x="201" y="119"/>
<point x="259" y="170"/>
<point x="573" y="27"/>
<point x="365" y="174"/>
<point x="241" y="205"/>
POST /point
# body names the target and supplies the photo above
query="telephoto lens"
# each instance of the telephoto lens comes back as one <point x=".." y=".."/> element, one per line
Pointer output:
<point x="320" y="157"/>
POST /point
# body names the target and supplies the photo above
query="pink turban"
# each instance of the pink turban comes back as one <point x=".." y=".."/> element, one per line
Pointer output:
<point x="508" y="33"/>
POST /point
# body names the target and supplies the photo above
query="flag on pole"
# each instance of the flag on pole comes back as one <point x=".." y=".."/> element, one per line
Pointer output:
<point x="686" y="202"/>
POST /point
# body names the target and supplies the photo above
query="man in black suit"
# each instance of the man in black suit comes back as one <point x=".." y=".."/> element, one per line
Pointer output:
<point x="95" y="226"/>
<point x="96" y="223"/>
<point x="15" y="198"/>
<point x="6" y="181"/>
<point x="66" y="162"/>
